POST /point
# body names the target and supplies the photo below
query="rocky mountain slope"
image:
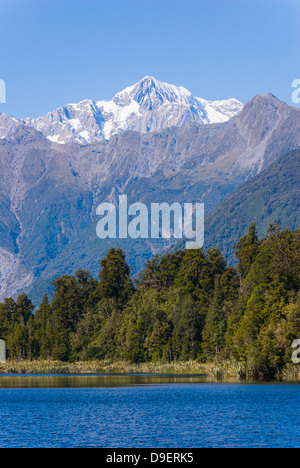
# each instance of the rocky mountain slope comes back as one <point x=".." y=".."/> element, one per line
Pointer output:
<point x="148" y="106"/>
<point x="272" y="196"/>
<point x="49" y="192"/>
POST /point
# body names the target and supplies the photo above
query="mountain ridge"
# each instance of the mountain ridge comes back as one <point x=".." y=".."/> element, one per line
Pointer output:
<point x="149" y="105"/>
<point x="271" y="196"/>
<point x="50" y="192"/>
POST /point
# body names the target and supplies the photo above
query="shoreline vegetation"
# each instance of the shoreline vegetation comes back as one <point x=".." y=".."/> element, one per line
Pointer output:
<point x="216" y="370"/>
<point x="187" y="312"/>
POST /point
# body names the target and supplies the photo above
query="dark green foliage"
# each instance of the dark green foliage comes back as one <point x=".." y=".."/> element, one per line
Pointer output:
<point x="246" y="251"/>
<point x="16" y="326"/>
<point x="271" y="195"/>
<point x="186" y="305"/>
<point x="41" y="329"/>
<point x="115" y="282"/>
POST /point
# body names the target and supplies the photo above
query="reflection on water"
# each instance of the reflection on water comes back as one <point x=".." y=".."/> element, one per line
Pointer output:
<point x="95" y="381"/>
<point x="101" y="381"/>
<point x="107" y="380"/>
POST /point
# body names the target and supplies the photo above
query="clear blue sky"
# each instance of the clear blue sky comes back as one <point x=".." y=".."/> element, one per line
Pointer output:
<point x="58" y="51"/>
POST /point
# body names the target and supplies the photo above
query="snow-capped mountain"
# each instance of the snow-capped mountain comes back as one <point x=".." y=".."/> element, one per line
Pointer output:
<point x="149" y="105"/>
<point x="49" y="193"/>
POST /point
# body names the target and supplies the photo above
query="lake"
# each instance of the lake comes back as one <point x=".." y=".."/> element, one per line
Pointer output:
<point x="143" y="411"/>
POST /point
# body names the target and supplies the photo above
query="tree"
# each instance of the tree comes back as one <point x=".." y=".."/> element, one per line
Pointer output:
<point x="187" y="305"/>
<point x="246" y="250"/>
<point x="187" y="321"/>
<point x="24" y="308"/>
<point x="150" y="276"/>
<point x="115" y="281"/>
<point x="68" y="302"/>
<point x="41" y="321"/>
<point x="215" y="324"/>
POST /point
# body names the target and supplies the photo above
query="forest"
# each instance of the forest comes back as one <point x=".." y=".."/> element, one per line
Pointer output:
<point x="187" y="305"/>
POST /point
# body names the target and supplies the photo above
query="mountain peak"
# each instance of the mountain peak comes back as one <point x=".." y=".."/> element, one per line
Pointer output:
<point x="148" y="106"/>
<point x="151" y="87"/>
<point x="150" y="79"/>
<point x="54" y="190"/>
<point x="270" y="97"/>
<point x="25" y="134"/>
<point x="263" y="103"/>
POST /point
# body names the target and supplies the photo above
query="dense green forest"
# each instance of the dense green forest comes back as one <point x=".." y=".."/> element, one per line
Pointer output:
<point x="185" y="305"/>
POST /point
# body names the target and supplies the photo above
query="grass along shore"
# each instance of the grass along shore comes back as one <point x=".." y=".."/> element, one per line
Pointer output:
<point x="225" y="369"/>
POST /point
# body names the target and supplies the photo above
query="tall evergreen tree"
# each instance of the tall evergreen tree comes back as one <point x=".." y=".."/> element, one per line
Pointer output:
<point x="115" y="281"/>
<point x="41" y="323"/>
<point x="246" y="250"/>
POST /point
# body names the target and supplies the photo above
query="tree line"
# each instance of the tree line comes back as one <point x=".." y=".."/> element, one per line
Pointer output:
<point x="187" y="305"/>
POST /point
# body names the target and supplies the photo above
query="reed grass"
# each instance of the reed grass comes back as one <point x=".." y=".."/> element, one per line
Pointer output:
<point x="220" y="369"/>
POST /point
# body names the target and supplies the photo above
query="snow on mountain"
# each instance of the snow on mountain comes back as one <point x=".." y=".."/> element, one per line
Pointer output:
<point x="49" y="193"/>
<point x="148" y="106"/>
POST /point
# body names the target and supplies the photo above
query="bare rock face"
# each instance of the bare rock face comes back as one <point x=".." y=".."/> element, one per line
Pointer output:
<point x="148" y="106"/>
<point x="49" y="192"/>
<point x="8" y="125"/>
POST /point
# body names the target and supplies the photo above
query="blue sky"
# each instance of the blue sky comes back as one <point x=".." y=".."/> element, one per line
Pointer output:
<point x="58" y="51"/>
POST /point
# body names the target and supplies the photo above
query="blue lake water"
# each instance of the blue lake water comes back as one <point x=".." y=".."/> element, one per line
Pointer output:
<point x="141" y="411"/>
